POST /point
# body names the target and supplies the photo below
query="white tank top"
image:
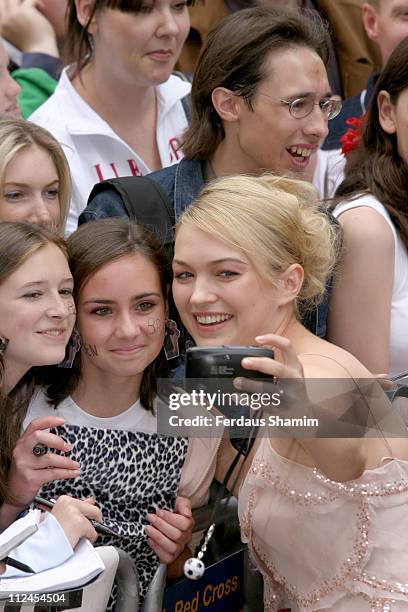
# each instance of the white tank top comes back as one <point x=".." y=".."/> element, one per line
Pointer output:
<point x="399" y="302"/>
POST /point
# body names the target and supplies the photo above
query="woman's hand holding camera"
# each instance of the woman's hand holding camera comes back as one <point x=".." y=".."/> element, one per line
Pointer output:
<point x="289" y="367"/>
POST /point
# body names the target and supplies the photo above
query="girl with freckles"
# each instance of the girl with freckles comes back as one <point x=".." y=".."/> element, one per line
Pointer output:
<point x="248" y="253"/>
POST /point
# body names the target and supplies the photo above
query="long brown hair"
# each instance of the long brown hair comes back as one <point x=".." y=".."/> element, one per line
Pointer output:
<point x="18" y="241"/>
<point x="376" y="166"/>
<point x="91" y="247"/>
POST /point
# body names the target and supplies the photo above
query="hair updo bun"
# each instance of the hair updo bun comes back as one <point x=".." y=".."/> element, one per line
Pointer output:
<point x="275" y="221"/>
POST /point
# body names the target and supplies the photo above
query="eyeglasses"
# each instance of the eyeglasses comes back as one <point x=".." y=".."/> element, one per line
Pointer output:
<point x="302" y="107"/>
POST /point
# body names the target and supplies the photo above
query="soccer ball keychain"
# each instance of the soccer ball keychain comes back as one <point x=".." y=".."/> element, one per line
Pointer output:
<point x="194" y="567"/>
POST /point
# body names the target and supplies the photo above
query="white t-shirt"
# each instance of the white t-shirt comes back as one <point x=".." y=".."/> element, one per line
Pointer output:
<point x="94" y="151"/>
<point x="136" y="418"/>
<point x="399" y="303"/>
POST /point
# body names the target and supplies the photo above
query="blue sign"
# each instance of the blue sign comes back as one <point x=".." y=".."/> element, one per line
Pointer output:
<point x="221" y="589"/>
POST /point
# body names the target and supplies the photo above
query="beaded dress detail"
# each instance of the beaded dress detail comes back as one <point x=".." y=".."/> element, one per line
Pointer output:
<point x="325" y="545"/>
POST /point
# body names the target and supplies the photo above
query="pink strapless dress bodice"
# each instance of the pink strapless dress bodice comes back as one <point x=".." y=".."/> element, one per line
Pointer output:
<point x="323" y="545"/>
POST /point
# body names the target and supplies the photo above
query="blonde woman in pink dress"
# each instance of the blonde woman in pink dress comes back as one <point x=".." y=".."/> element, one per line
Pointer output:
<point x="326" y="520"/>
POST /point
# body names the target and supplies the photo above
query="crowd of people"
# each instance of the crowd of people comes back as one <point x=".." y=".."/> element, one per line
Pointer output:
<point x="279" y="194"/>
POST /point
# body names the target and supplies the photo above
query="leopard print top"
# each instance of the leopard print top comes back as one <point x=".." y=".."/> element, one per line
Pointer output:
<point x="129" y="474"/>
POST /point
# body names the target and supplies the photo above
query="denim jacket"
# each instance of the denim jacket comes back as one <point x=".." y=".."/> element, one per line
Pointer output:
<point x="182" y="183"/>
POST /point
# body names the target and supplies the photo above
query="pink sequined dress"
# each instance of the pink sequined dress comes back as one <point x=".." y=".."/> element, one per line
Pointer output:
<point x="323" y="545"/>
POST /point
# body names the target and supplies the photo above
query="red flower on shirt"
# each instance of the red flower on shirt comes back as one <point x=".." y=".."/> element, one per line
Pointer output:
<point x="351" y="139"/>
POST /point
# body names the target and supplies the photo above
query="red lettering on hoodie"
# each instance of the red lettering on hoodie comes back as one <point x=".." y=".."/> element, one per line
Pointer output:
<point x="134" y="168"/>
<point x="99" y="171"/>
<point x="112" y="165"/>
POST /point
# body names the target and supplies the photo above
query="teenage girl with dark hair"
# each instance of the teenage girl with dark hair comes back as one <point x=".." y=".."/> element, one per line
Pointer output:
<point x="109" y="398"/>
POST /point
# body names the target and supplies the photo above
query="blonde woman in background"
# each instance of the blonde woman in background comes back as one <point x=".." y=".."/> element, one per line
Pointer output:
<point x="34" y="175"/>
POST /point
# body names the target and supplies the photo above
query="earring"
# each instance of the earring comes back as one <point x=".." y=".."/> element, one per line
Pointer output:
<point x="189" y="343"/>
<point x="171" y="346"/>
<point x="73" y="346"/>
<point x="3" y="344"/>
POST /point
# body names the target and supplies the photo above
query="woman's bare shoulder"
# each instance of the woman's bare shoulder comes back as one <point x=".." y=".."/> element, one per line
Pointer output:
<point x="321" y="359"/>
